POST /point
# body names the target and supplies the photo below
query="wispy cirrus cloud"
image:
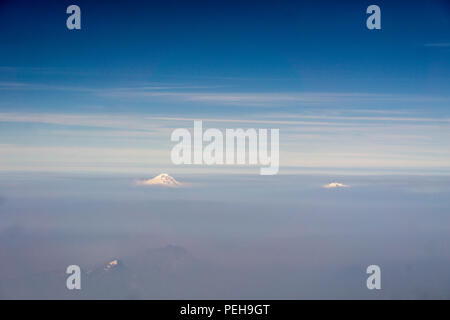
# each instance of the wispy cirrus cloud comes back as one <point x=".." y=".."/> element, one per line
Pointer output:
<point x="157" y="123"/>
<point x="438" y="44"/>
<point x="261" y="99"/>
<point x="85" y="120"/>
<point x="312" y="142"/>
<point x="215" y="95"/>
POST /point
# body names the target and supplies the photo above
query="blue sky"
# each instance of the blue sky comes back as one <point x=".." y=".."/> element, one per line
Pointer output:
<point x="108" y="95"/>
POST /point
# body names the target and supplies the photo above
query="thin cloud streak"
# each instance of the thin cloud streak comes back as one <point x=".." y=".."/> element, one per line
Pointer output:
<point x="155" y="123"/>
<point x="438" y="45"/>
<point x="276" y="99"/>
<point x="190" y="93"/>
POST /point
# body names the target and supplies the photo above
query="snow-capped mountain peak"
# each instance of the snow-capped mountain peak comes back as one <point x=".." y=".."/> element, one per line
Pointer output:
<point x="161" y="180"/>
<point x="335" y="185"/>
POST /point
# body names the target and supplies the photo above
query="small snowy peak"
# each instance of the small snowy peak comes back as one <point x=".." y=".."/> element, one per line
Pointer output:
<point x="335" y="185"/>
<point x="114" y="264"/>
<point x="161" y="180"/>
<point x="111" y="265"/>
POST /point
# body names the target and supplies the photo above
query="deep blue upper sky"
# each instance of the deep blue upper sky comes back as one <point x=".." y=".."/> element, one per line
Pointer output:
<point x="282" y="45"/>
